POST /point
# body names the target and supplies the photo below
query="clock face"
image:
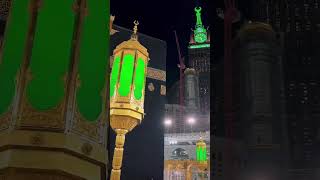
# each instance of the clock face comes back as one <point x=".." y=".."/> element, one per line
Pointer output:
<point x="200" y="35"/>
<point x="200" y="38"/>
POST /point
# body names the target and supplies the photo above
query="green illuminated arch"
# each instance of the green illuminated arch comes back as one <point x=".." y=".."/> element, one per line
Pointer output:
<point x="13" y="51"/>
<point x="93" y="60"/>
<point x="51" y="54"/>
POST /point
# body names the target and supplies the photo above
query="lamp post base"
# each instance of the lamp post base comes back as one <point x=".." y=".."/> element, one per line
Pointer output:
<point x="118" y="154"/>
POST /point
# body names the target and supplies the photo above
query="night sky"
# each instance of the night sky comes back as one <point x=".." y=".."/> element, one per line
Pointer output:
<point x="159" y="19"/>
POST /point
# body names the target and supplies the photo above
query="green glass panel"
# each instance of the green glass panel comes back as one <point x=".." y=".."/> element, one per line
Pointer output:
<point x="114" y="75"/>
<point x="139" y="79"/>
<point x="198" y="154"/>
<point x="13" y="51"/>
<point x="126" y="75"/>
<point x="51" y="53"/>
<point x="94" y="60"/>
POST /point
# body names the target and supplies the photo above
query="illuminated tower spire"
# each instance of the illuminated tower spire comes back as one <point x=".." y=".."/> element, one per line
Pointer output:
<point x="198" y="14"/>
<point x="200" y="33"/>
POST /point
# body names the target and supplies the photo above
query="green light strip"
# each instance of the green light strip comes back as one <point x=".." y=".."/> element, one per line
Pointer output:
<point x="198" y="46"/>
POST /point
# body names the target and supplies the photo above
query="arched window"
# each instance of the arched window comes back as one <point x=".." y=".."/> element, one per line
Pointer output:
<point x="180" y="153"/>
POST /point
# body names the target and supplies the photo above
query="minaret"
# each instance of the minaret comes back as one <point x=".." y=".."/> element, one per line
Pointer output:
<point x="53" y="98"/>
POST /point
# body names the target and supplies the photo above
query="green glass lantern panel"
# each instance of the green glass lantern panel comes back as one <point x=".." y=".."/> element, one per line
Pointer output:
<point x="13" y="51"/>
<point x="126" y="75"/>
<point x="198" y="153"/>
<point x="201" y="154"/>
<point x="139" y="79"/>
<point x="114" y="75"/>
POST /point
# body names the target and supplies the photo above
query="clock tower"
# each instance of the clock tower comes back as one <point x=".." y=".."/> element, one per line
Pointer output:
<point x="199" y="59"/>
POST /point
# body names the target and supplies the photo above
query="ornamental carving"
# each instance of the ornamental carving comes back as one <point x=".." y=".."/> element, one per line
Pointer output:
<point x="112" y="31"/>
<point x="4" y="8"/>
<point x="85" y="128"/>
<point x="185" y="166"/>
<point x="156" y="74"/>
<point x="81" y="126"/>
<point x="31" y="118"/>
<point x="5" y="120"/>
<point x="163" y="90"/>
<point x="37" y="139"/>
<point x="151" y="87"/>
<point x="86" y="148"/>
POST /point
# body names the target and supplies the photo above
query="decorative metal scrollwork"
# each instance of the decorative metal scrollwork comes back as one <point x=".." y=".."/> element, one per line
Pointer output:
<point x="4" y="9"/>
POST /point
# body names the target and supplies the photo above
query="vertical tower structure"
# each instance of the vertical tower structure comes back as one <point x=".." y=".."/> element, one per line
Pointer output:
<point x="298" y="26"/>
<point x="53" y="102"/>
<point x="199" y="59"/>
<point x="191" y="89"/>
<point x="260" y="102"/>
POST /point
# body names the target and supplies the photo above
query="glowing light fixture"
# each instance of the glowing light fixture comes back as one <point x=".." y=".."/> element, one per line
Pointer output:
<point x="191" y="120"/>
<point x="167" y="122"/>
<point x="199" y="46"/>
<point x="201" y="151"/>
<point x="127" y="90"/>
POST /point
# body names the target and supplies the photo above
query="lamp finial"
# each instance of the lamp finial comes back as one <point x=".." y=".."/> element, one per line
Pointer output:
<point x="135" y="30"/>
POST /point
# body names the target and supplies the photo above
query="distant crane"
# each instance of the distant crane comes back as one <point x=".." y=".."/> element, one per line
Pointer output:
<point x="181" y="66"/>
<point x="230" y="16"/>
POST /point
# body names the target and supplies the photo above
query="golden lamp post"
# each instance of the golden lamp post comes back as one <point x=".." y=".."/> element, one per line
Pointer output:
<point x="127" y="89"/>
<point x="201" y="150"/>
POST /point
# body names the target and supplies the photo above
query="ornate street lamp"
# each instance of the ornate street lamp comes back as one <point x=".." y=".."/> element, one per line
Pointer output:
<point x="127" y="90"/>
<point x="202" y="156"/>
<point x="201" y="152"/>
